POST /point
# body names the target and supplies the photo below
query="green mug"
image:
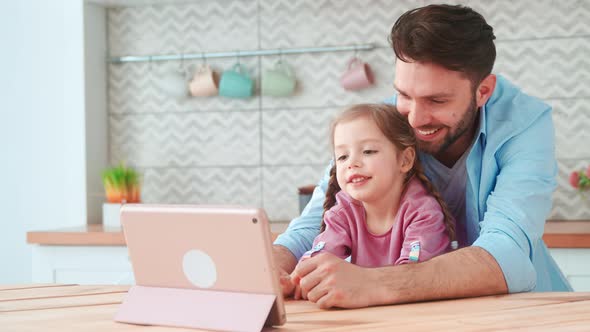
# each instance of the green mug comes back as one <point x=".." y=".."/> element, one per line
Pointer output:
<point x="278" y="81"/>
<point x="235" y="83"/>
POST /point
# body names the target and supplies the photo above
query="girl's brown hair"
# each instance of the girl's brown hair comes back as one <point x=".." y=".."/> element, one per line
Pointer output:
<point x="399" y="132"/>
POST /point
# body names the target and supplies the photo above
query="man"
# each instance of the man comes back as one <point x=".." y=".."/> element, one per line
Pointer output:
<point x="487" y="147"/>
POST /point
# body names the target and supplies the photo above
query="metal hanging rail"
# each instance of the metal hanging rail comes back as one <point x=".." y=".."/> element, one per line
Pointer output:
<point x="280" y="51"/>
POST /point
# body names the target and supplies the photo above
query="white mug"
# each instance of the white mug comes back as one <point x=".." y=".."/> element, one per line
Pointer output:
<point x="174" y="84"/>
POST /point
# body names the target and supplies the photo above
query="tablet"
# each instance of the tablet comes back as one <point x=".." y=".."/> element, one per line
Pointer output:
<point x="209" y="255"/>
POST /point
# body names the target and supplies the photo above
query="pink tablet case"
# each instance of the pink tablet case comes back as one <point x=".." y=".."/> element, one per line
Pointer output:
<point x="229" y="311"/>
<point x="237" y="240"/>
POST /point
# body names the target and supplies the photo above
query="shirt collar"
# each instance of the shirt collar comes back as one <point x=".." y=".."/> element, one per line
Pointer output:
<point x="482" y="123"/>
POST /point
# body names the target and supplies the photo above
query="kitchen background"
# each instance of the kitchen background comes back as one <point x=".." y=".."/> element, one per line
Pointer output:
<point x="258" y="151"/>
<point x="67" y="113"/>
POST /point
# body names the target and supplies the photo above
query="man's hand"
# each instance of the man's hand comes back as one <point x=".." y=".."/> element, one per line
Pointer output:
<point x="333" y="282"/>
<point x="284" y="263"/>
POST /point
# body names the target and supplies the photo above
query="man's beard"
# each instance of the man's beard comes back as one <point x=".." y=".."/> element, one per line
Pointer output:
<point x="463" y="127"/>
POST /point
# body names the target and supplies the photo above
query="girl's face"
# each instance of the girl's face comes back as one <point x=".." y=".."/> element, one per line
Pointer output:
<point x="368" y="166"/>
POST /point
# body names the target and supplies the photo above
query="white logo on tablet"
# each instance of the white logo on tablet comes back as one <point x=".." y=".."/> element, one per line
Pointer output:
<point x="199" y="268"/>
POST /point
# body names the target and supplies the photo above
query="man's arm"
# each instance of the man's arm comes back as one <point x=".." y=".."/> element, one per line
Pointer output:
<point x="517" y="207"/>
<point x="333" y="282"/>
<point x="467" y="272"/>
<point x="284" y="258"/>
<point x="299" y="236"/>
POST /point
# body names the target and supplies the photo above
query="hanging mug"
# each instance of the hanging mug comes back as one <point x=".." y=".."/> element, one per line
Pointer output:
<point x="235" y="83"/>
<point x="204" y="82"/>
<point x="278" y="81"/>
<point x="174" y="84"/>
<point x="357" y="76"/>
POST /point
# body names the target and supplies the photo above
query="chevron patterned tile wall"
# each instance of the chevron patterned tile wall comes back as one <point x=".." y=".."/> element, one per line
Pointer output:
<point x="296" y="137"/>
<point x="547" y="68"/>
<point x="280" y="187"/>
<point x="571" y="118"/>
<point x="186" y="139"/>
<point x="259" y="150"/>
<point x="520" y="20"/>
<point x="215" y="185"/>
<point x="328" y="22"/>
<point x="188" y="28"/>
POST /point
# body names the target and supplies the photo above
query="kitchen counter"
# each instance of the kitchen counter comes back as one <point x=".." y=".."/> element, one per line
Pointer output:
<point x="567" y="233"/>
<point x="97" y="235"/>
<point x="558" y="234"/>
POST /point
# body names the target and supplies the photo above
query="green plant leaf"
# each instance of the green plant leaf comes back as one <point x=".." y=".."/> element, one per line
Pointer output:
<point x="120" y="177"/>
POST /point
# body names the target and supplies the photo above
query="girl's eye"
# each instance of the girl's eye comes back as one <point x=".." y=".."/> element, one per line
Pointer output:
<point x="370" y="151"/>
<point x="341" y="158"/>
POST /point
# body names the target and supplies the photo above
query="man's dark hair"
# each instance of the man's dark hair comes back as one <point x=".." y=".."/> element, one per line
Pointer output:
<point x="455" y="37"/>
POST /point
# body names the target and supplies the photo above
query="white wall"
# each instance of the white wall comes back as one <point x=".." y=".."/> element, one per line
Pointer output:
<point x="42" y="127"/>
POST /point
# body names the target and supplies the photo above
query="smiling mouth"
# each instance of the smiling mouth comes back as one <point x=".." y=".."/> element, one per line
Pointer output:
<point x="358" y="179"/>
<point x="427" y="132"/>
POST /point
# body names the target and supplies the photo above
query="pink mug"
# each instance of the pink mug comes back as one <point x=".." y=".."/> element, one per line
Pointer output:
<point x="204" y="82"/>
<point x="357" y="76"/>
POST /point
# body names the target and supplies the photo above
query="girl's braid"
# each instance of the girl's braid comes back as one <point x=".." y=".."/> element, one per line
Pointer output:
<point x="330" y="201"/>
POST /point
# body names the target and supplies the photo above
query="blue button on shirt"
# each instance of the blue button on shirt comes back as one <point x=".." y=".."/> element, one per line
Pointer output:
<point x="511" y="171"/>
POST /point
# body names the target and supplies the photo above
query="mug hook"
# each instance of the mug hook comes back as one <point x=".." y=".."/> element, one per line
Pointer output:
<point x="203" y="58"/>
<point x="356" y="51"/>
<point x="238" y="57"/>
<point x="181" y="66"/>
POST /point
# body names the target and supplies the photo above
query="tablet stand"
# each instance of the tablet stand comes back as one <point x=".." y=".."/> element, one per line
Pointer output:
<point x="195" y="308"/>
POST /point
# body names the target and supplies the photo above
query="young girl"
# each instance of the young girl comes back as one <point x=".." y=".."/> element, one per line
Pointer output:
<point x="380" y="208"/>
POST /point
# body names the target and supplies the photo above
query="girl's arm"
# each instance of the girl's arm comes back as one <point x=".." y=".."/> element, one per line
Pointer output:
<point x="425" y="237"/>
<point x="336" y="239"/>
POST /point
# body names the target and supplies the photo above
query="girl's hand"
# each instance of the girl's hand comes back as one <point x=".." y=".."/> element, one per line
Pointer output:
<point x="331" y="281"/>
<point x="290" y="287"/>
<point x="297" y="294"/>
<point x="287" y="284"/>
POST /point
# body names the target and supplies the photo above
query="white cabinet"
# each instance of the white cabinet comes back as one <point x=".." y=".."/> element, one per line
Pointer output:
<point x="575" y="265"/>
<point x="85" y="265"/>
<point x="101" y="265"/>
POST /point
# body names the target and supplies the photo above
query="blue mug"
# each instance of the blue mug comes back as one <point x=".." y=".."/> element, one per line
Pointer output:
<point x="235" y="83"/>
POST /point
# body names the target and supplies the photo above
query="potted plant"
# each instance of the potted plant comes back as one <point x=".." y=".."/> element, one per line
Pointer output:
<point x="121" y="185"/>
<point x="580" y="180"/>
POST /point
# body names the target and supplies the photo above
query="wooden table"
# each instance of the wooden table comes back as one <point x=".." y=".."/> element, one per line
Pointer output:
<point x="91" y="308"/>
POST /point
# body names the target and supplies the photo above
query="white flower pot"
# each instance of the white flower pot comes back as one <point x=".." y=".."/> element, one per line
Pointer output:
<point x="111" y="214"/>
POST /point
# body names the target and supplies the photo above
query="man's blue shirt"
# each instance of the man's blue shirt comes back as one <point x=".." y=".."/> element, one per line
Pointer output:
<point x="511" y="171"/>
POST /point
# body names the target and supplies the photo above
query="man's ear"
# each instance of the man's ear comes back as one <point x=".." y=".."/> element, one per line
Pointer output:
<point x="485" y="89"/>
<point x="407" y="158"/>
